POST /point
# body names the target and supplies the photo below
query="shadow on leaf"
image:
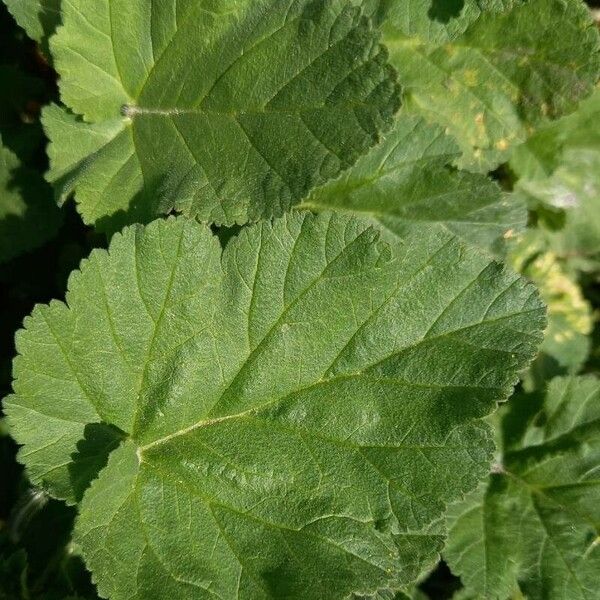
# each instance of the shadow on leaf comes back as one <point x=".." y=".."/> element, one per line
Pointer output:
<point x="92" y="455"/>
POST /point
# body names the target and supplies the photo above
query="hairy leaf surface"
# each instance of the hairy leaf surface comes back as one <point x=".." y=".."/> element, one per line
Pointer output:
<point x="407" y="182"/>
<point x="534" y="525"/>
<point x="298" y="408"/>
<point x="493" y="74"/>
<point x="227" y="111"/>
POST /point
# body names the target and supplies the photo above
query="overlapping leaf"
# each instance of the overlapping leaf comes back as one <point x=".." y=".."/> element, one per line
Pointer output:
<point x="566" y="344"/>
<point x="225" y="111"/>
<point x="433" y="21"/>
<point x="28" y="214"/>
<point x="407" y="182"/>
<point x="534" y="525"/>
<point x="494" y="72"/>
<point x="297" y="408"/>
<point x="39" y="18"/>
<point x="559" y="172"/>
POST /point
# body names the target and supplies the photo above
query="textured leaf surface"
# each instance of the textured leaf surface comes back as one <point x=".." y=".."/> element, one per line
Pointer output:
<point x="407" y="182"/>
<point x="298" y="407"/>
<point x="534" y="526"/>
<point x="28" y="214"/>
<point x="493" y="74"/>
<point x="432" y="21"/>
<point x="226" y="111"/>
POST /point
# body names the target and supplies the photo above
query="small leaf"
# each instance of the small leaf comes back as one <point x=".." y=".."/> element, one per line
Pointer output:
<point x="533" y="526"/>
<point x="298" y="408"/>
<point x="39" y="18"/>
<point x="226" y="111"/>
<point x="407" y="182"/>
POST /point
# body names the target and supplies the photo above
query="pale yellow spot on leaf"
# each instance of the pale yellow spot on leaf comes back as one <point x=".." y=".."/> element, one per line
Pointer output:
<point x="470" y="77"/>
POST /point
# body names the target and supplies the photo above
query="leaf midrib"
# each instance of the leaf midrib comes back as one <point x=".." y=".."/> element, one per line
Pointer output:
<point x="134" y="110"/>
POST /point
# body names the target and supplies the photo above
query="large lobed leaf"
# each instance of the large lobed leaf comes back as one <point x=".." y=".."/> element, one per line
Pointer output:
<point x="227" y="111"/>
<point x="407" y="182"/>
<point x="494" y="72"/>
<point x="534" y="525"/>
<point x="296" y="409"/>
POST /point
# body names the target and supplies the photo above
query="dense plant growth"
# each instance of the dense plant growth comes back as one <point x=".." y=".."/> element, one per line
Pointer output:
<point x="300" y="299"/>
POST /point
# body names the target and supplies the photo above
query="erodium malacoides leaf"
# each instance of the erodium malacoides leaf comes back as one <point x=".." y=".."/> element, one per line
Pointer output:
<point x="226" y="111"/>
<point x="286" y="418"/>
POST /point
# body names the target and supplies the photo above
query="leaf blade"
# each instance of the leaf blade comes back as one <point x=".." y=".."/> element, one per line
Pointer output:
<point x="232" y="113"/>
<point x="258" y="401"/>
<point x="540" y="504"/>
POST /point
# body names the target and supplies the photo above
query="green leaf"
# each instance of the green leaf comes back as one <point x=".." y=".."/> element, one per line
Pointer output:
<point x="28" y="215"/>
<point x="382" y="595"/>
<point x="432" y="21"/>
<point x="544" y="150"/>
<point x="566" y="344"/>
<point x="406" y="182"/>
<point x="227" y="112"/>
<point x="298" y="407"/>
<point x="39" y="18"/>
<point x="492" y="76"/>
<point x="534" y="525"/>
<point x="559" y="171"/>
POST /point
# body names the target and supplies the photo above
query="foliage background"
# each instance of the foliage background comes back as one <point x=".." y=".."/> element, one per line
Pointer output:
<point x="37" y="560"/>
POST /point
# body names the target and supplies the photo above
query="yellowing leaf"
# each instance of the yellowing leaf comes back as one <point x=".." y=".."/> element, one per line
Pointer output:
<point x="497" y="72"/>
